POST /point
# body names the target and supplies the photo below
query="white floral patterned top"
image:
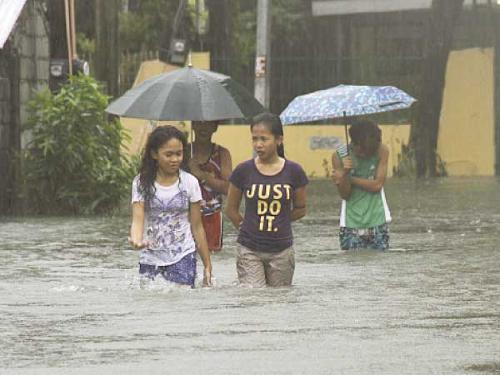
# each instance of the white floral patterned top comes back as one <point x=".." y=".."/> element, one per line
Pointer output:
<point x="167" y="227"/>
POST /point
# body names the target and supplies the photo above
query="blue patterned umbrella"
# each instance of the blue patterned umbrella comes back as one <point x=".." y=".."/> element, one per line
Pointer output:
<point x="345" y="101"/>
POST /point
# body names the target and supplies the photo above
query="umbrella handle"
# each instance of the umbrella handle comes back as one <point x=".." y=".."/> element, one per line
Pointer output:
<point x="192" y="139"/>
<point x="346" y="133"/>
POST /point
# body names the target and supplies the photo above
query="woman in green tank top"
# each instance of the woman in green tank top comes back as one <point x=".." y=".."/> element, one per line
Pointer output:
<point x="359" y="175"/>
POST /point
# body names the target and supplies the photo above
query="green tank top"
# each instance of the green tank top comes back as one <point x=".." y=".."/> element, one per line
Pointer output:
<point x="364" y="209"/>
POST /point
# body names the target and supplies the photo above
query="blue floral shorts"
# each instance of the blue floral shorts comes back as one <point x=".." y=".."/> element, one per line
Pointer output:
<point x="182" y="272"/>
<point x="370" y="238"/>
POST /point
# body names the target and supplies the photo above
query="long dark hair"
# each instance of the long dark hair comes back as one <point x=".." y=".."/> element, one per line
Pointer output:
<point x="273" y="123"/>
<point x="149" y="166"/>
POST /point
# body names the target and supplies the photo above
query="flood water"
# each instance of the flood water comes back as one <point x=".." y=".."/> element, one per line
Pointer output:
<point x="70" y="300"/>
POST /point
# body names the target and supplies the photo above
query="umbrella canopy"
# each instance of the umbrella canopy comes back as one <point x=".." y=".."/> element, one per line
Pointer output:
<point x="187" y="94"/>
<point x="10" y="11"/>
<point x="345" y="101"/>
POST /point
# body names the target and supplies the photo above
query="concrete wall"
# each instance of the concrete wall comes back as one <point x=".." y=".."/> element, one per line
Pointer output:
<point x="4" y="142"/>
<point x="466" y="139"/>
<point x="32" y="43"/>
<point x="24" y="69"/>
<point x="309" y="145"/>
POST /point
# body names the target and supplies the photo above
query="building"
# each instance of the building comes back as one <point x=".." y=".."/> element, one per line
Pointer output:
<point x="24" y="69"/>
<point x="382" y="42"/>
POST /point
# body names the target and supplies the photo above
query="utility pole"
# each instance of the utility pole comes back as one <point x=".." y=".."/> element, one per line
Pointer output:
<point x="263" y="52"/>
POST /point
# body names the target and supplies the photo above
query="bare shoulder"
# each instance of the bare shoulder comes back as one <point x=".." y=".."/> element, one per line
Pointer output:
<point x="224" y="152"/>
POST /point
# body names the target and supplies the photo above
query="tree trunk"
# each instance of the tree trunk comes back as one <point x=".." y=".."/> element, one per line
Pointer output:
<point x="219" y="35"/>
<point x="107" y="56"/>
<point x="443" y="17"/>
<point x="57" y="37"/>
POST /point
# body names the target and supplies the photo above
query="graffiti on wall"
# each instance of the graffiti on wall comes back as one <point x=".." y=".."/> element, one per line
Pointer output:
<point x="325" y="143"/>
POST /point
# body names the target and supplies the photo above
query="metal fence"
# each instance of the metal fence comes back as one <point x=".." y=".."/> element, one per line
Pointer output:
<point x="129" y="66"/>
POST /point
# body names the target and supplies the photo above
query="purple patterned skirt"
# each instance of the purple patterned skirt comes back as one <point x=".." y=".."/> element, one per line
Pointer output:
<point x="182" y="272"/>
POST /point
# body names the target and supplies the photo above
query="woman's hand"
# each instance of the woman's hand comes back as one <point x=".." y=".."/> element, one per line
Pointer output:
<point x="207" y="276"/>
<point x="137" y="228"/>
<point x="194" y="168"/>
<point x="340" y="175"/>
<point x="138" y="244"/>
<point x="233" y="201"/>
<point x="347" y="162"/>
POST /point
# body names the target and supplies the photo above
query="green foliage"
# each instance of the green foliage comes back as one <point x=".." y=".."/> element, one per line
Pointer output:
<point x="150" y="25"/>
<point x="133" y="34"/>
<point x="73" y="163"/>
<point x="85" y="45"/>
<point x="244" y="38"/>
<point x="407" y="164"/>
<point x="326" y="167"/>
<point x="290" y="21"/>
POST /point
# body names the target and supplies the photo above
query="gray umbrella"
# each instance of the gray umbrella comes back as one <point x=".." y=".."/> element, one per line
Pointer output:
<point x="188" y="94"/>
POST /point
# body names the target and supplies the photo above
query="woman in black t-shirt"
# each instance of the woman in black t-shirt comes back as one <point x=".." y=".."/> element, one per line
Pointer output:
<point x="275" y="195"/>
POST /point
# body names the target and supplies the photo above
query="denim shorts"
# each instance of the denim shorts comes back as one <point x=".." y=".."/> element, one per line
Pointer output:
<point x="369" y="238"/>
<point x="182" y="272"/>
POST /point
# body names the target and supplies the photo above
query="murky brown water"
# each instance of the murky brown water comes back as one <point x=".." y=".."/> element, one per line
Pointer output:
<point x="71" y="303"/>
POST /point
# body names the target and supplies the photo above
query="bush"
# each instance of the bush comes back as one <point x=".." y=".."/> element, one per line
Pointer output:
<point x="73" y="162"/>
<point x="407" y="164"/>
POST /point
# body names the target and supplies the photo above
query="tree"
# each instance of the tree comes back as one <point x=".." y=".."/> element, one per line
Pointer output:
<point x="443" y="17"/>
<point x="57" y="36"/>
<point x="73" y="162"/>
<point x="107" y="58"/>
<point x="220" y="33"/>
<point x="148" y="25"/>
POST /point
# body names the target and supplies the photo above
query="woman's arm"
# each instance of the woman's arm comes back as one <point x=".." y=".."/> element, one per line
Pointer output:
<point x="233" y="202"/>
<point x="221" y="185"/>
<point x="376" y="184"/>
<point x="137" y="227"/>
<point x="299" y="204"/>
<point x="340" y="175"/>
<point x="201" y="241"/>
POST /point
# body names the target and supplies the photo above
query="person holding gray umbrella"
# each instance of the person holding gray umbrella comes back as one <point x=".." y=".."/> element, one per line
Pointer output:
<point x="211" y="164"/>
<point x="359" y="174"/>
